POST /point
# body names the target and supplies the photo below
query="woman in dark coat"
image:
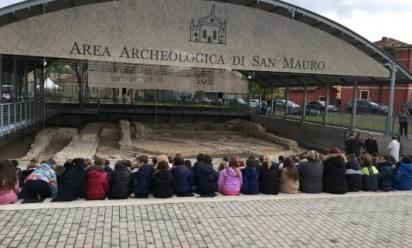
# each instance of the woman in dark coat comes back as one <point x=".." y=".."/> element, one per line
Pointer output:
<point x="121" y="181"/>
<point x="269" y="181"/>
<point x="206" y="178"/>
<point x="334" y="166"/>
<point x="73" y="181"/>
<point x="311" y="174"/>
<point x="163" y="182"/>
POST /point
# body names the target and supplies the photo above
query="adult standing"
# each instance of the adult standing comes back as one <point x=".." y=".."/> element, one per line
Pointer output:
<point x="371" y="145"/>
<point x="403" y="121"/>
<point x="394" y="148"/>
<point x="354" y="144"/>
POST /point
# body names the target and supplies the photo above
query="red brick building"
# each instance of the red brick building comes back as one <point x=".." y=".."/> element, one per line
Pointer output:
<point x="378" y="93"/>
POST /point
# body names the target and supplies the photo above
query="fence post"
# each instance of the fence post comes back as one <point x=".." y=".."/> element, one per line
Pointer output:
<point x="389" y="119"/>
<point x="2" y="120"/>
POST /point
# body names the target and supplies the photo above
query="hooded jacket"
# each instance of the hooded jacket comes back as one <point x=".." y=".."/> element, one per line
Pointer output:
<point x="334" y="170"/>
<point x="163" y="184"/>
<point x="97" y="183"/>
<point x="270" y="179"/>
<point x="353" y="175"/>
<point x="385" y="176"/>
<point x="229" y="181"/>
<point x="184" y="180"/>
<point x="403" y="177"/>
<point x="143" y="181"/>
<point x="250" y="185"/>
<point x="310" y="176"/>
<point x="73" y="183"/>
<point x="205" y="180"/>
<point x="121" y="182"/>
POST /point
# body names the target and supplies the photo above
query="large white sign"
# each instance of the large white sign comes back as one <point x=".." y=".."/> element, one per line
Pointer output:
<point x="188" y="33"/>
<point x="108" y="75"/>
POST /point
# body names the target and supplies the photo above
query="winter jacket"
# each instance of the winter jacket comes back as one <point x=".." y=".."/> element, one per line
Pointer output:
<point x="288" y="185"/>
<point x="270" y="179"/>
<point x="205" y="180"/>
<point x="9" y="196"/>
<point x="143" y="181"/>
<point x="73" y="184"/>
<point x="370" y="178"/>
<point x="229" y="181"/>
<point x="353" y="175"/>
<point x="121" y="182"/>
<point x="310" y="176"/>
<point x="371" y="146"/>
<point x="184" y="180"/>
<point x="334" y="170"/>
<point x="97" y="183"/>
<point x="403" y="177"/>
<point x="163" y="184"/>
<point x="45" y="173"/>
<point x="385" y="177"/>
<point x="354" y="145"/>
<point x="250" y="185"/>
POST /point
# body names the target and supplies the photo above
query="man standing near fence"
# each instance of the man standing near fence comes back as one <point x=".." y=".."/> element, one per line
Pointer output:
<point x="394" y="148"/>
<point x="403" y="121"/>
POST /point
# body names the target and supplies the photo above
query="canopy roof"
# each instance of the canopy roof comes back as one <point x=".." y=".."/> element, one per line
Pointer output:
<point x="30" y="8"/>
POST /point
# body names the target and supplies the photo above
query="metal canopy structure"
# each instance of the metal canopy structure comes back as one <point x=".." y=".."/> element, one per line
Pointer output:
<point x="31" y="8"/>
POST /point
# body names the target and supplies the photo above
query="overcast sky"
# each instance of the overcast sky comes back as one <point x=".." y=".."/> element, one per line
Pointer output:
<point x="370" y="18"/>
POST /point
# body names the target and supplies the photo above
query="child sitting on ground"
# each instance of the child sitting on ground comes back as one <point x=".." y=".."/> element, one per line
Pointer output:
<point x="205" y="177"/>
<point x="250" y="185"/>
<point x="385" y="177"/>
<point x="121" y="181"/>
<point x="290" y="177"/>
<point x="97" y="181"/>
<point x="143" y="177"/>
<point x="230" y="179"/>
<point x="163" y="182"/>
<point x="9" y="183"/>
<point x="369" y="174"/>
<point x="269" y="177"/>
<point x="183" y="177"/>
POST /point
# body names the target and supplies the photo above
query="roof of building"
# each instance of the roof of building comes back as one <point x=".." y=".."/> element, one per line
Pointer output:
<point x="30" y="8"/>
<point x="386" y="42"/>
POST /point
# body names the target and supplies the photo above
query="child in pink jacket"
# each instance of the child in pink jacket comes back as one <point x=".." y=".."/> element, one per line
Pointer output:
<point x="9" y="183"/>
<point x="230" y="179"/>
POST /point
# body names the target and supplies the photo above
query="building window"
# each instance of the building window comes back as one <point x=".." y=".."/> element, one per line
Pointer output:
<point x="322" y="98"/>
<point x="364" y="94"/>
<point x="214" y="35"/>
<point x="204" y="34"/>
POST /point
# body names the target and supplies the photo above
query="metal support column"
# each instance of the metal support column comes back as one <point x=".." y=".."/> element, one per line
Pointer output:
<point x="26" y="81"/>
<point x="14" y="80"/>
<point x="305" y="100"/>
<point x="43" y="95"/>
<point x="325" y="116"/>
<point x="389" y="119"/>
<point x="273" y="102"/>
<point x="1" y="78"/>
<point x="354" y="105"/>
<point x="286" y="100"/>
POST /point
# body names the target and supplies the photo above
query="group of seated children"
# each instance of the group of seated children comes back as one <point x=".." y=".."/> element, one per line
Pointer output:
<point x="164" y="177"/>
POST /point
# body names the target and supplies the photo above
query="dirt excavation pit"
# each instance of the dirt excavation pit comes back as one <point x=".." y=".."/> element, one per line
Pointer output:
<point x="126" y="139"/>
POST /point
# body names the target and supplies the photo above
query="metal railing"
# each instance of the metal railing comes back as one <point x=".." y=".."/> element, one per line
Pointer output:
<point x="15" y="116"/>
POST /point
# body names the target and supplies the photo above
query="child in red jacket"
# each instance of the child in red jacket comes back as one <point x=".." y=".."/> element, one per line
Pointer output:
<point x="97" y="183"/>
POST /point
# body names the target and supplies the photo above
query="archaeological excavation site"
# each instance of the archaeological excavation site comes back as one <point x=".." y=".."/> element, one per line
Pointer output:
<point x="125" y="139"/>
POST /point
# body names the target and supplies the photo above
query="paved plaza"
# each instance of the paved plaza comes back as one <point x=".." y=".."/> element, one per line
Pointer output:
<point x="356" y="220"/>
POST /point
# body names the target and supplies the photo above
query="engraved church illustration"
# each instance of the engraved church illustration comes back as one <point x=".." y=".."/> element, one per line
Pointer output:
<point x="209" y="29"/>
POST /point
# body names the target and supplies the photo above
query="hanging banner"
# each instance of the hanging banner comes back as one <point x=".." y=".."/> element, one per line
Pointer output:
<point x="132" y="76"/>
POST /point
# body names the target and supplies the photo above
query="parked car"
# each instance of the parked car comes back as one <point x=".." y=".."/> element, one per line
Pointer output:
<point x="254" y="103"/>
<point x="320" y="105"/>
<point x="409" y="106"/>
<point x="293" y="108"/>
<point x="366" y="106"/>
